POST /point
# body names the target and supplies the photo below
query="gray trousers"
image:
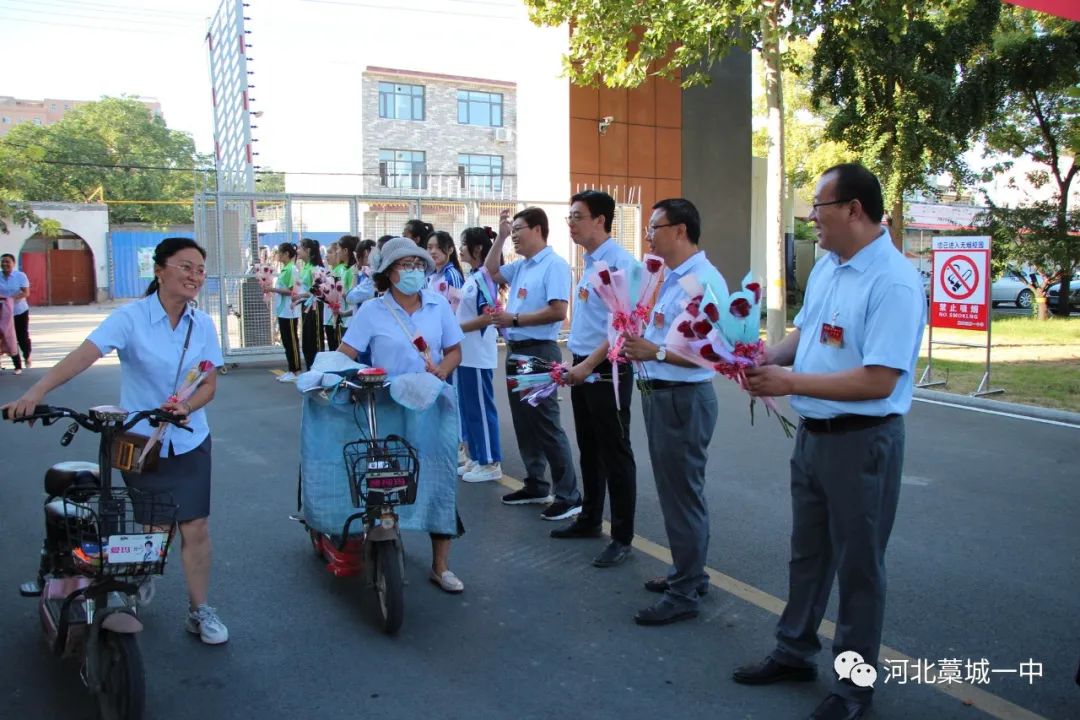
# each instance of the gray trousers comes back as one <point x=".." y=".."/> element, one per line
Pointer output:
<point x="679" y="422"/>
<point x="541" y="439"/>
<point x="844" y="491"/>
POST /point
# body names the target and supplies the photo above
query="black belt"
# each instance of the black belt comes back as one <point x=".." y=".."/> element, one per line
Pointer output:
<point x="845" y="423"/>
<point x="648" y="385"/>
<point x="522" y="344"/>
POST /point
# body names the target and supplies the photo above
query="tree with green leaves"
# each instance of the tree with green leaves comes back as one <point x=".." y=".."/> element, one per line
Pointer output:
<point x="905" y="80"/>
<point x="116" y="145"/>
<point x="621" y="42"/>
<point x="1035" y="64"/>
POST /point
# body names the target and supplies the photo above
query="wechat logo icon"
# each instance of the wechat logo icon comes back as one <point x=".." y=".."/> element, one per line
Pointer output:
<point x="849" y="665"/>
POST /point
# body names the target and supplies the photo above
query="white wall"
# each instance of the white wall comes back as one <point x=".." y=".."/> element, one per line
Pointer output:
<point x="90" y="222"/>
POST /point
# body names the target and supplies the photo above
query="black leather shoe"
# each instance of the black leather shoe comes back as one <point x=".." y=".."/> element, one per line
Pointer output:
<point x="837" y="707"/>
<point x="664" y="612"/>
<point x="770" y="671"/>
<point x="660" y="585"/>
<point x="578" y="529"/>
<point x="614" y="554"/>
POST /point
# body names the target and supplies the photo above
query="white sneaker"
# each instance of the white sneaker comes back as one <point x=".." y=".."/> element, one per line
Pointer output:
<point x="287" y="377"/>
<point x="146" y="592"/>
<point x="204" y="622"/>
<point x="468" y="467"/>
<point x="462" y="455"/>
<point x="484" y="473"/>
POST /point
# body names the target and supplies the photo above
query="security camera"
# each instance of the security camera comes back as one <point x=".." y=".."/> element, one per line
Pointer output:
<point x="605" y="122"/>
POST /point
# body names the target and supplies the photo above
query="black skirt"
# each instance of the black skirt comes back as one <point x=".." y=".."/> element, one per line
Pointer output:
<point x="186" y="478"/>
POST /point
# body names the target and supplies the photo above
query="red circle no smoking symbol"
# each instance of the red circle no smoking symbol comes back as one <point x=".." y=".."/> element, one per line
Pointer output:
<point x="959" y="277"/>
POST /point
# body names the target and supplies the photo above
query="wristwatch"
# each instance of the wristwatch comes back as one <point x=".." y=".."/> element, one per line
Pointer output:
<point x="516" y="319"/>
<point x="661" y="353"/>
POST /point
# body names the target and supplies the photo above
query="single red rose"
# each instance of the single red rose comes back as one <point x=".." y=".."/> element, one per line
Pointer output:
<point x="653" y="265"/>
<point x="702" y="328"/>
<point x="740" y="307"/>
<point x="605" y="277"/>
<point x="685" y="329"/>
<point x="420" y="343"/>
<point x="709" y="354"/>
<point x="712" y="312"/>
<point x="756" y="289"/>
<point x="206" y="366"/>
<point x="511" y="383"/>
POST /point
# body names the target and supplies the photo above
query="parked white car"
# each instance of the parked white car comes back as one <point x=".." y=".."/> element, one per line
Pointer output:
<point x="1011" y="288"/>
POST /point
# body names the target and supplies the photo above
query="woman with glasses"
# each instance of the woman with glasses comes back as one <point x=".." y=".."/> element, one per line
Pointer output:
<point x="411" y="330"/>
<point x="158" y="339"/>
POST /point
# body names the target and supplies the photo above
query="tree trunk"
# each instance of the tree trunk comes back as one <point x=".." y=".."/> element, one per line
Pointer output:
<point x="896" y="222"/>
<point x="775" y="265"/>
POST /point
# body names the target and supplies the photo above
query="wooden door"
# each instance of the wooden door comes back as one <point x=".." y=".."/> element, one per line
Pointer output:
<point x="36" y="267"/>
<point x="71" y="277"/>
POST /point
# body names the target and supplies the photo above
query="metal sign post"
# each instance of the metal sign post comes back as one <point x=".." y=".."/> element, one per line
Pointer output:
<point x="960" y="300"/>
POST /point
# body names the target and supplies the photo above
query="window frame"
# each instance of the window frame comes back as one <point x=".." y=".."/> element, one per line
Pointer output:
<point x="388" y="100"/>
<point x="480" y="181"/>
<point x="418" y="180"/>
<point x="465" y="103"/>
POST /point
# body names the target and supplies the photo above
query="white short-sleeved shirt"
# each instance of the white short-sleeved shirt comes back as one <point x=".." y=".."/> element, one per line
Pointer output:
<point x="150" y="349"/>
<point x="669" y="304"/>
<point x="534" y="283"/>
<point x="478" y="348"/>
<point x="375" y="328"/>
<point x="13" y="284"/>
<point x="589" y="324"/>
<point x="878" y="300"/>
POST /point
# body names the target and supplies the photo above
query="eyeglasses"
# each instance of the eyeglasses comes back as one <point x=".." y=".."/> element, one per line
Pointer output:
<point x="576" y="217"/>
<point x="831" y="202"/>
<point x="189" y="269"/>
<point x="650" y="230"/>
<point x="410" y="265"/>
<point x="518" y="228"/>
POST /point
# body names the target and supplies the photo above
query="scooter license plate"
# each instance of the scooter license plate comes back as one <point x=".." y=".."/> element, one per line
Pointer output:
<point x="137" y="548"/>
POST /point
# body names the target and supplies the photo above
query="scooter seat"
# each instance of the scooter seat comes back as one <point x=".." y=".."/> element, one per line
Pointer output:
<point x="74" y="474"/>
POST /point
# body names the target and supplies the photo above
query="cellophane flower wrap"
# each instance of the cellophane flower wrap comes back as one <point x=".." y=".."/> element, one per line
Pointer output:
<point x="722" y="332"/>
<point x="536" y="386"/>
<point x="333" y="294"/>
<point x="320" y="278"/>
<point x="189" y="383"/>
<point x="490" y="291"/>
<point x="439" y="284"/>
<point x="264" y="275"/>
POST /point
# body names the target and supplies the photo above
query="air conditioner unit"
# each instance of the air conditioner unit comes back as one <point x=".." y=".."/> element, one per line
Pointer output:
<point x="504" y="135"/>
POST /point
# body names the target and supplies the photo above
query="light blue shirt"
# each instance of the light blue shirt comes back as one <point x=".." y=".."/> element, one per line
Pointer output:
<point x="149" y="349"/>
<point x="669" y="304"/>
<point x="11" y="285"/>
<point x="385" y="328"/>
<point x="362" y="291"/>
<point x="534" y="283"/>
<point x="877" y="298"/>
<point x="589" y="323"/>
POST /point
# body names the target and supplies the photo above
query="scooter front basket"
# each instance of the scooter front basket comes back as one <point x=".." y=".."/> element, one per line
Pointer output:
<point x="382" y="471"/>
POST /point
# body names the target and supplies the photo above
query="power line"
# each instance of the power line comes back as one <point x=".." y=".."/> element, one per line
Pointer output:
<point x="80" y="16"/>
<point x="114" y="9"/>
<point x="402" y="8"/>
<point x="103" y="28"/>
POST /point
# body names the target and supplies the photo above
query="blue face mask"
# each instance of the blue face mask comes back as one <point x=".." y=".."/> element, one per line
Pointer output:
<point x="410" y="281"/>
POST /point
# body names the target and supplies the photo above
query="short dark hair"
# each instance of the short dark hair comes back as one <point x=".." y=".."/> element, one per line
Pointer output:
<point x="165" y="250"/>
<point x="287" y="248"/>
<point x="534" y="216"/>
<point x="680" y="211"/>
<point x="363" y="251"/>
<point x="8" y="255"/>
<point x="600" y="203"/>
<point x="383" y="240"/>
<point x="855" y="182"/>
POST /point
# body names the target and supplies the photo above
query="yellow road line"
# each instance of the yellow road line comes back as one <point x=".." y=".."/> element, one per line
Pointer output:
<point x="277" y="372"/>
<point x="968" y="694"/>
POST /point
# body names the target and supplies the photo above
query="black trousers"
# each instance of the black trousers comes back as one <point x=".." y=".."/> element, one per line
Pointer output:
<point x="333" y="335"/>
<point x="311" y="338"/>
<point x="287" y="327"/>
<point x="22" y="334"/>
<point x="607" y="461"/>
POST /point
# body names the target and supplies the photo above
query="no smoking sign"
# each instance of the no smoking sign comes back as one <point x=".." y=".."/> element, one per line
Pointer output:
<point x="960" y="278"/>
<point x="960" y="291"/>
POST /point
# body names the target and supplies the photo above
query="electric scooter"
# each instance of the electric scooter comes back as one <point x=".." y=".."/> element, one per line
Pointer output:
<point x="96" y="554"/>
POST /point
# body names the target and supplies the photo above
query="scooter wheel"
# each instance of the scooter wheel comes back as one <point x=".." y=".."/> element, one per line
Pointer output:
<point x="389" y="585"/>
<point x="123" y="684"/>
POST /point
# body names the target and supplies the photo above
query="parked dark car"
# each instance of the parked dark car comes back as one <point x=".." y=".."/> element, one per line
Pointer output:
<point x="1054" y="291"/>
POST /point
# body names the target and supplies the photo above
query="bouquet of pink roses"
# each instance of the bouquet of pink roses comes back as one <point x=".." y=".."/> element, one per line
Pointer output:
<point x="264" y="274"/>
<point x="721" y="331"/>
<point x="190" y="383"/>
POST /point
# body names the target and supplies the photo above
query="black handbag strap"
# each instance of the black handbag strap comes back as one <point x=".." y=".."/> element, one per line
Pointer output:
<point x="187" y="341"/>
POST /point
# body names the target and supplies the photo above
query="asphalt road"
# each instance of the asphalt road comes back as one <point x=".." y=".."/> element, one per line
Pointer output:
<point x="984" y="562"/>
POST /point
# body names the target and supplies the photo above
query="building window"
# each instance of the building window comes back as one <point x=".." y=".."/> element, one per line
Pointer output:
<point x="403" y="169"/>
<point x="6" y="120"/>
<point x="401" y="102"/>
<point x="37" y="121"/>
<point x="479" y="108"/>
<point x="481" y="172"/>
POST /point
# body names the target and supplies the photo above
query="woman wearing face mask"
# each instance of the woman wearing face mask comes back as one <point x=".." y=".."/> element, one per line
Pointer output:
<point x="155" y="337"/>
<point x="308" y="256"/>
<point x="447" y="267"/>
<point x="388" y="327"/>
<point x="287" y="310"/>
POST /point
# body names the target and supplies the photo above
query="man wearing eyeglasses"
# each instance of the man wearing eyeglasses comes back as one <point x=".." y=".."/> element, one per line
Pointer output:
<point x="603" y="430"/>
<point x="854" y="348"/>
<point x="539" y="295"/>
<point x="680" y="408"/>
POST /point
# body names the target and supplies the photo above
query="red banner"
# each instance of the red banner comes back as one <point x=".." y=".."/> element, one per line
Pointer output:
<point x="1062" y="8"/>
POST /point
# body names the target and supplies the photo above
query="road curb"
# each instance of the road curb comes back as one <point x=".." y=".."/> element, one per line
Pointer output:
<point x="1032" y="411"/>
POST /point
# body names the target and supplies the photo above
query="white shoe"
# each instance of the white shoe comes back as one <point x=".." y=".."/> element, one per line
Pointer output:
<point x="462" y="455"/>
<point x="483" y="473"/>
<point x="468" y="467"/>
<point x="146" y="592"/>
<point x="204" y="622"/>
<point x="287" y="377"/>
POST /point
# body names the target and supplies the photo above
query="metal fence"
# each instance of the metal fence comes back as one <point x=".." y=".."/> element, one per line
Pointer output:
<point x="234" y="227"/>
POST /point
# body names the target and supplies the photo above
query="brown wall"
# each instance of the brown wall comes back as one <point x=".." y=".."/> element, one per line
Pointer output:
<point x="642" y="147"/>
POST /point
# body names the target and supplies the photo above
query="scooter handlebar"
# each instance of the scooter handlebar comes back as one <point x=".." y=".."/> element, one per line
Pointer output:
<point x="40" y="411"/>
